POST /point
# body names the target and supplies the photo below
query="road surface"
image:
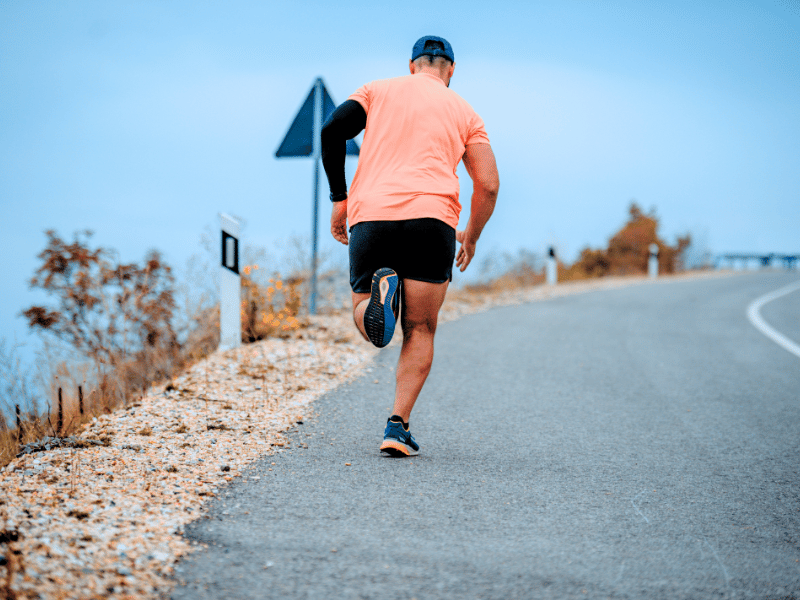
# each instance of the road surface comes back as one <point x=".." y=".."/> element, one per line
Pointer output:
<point x="642" y="442"/>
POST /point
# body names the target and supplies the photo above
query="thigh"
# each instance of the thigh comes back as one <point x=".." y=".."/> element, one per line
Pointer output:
<point x="421" y="303"/>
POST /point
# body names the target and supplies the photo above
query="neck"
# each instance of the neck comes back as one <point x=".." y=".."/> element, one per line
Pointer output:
<point x="440" y="73"/>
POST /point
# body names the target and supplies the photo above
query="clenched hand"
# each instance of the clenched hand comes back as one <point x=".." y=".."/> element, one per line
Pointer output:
<point x="467" y="250"/>
<point x="339" y="221"/>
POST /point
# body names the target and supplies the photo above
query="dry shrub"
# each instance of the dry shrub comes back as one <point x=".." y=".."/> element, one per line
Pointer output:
<point x="117" y="315"/>
<point x="269" y="310"/>
<point x="111" y="312"/>
<point x="628" y="251"/>
<point x="118" y="318"/>
<point x="116" y="329"/>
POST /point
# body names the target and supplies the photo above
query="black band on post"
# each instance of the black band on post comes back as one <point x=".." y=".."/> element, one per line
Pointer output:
<point x="230" y="252"/>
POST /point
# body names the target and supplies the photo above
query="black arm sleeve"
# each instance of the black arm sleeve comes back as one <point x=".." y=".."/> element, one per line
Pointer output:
<point x="346" y="122"/>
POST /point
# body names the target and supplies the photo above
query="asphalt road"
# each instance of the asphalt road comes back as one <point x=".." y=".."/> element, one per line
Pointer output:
<point x="642" y="442"/>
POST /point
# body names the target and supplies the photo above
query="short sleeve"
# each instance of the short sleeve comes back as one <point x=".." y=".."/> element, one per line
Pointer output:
<point x="476" y="132"/>
<point x="363" y="95"/>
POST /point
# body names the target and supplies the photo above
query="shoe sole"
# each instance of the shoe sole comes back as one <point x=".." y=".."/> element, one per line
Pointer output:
<point x="379" y="320"/>
<point x="397" y="449"/>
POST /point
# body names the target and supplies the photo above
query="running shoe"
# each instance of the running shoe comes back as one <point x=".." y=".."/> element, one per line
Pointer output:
<point x="398" y="441"/>
<point x="380" y="317"/>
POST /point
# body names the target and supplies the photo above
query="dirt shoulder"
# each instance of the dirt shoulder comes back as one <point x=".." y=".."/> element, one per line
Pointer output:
<point x="107" y="520"/>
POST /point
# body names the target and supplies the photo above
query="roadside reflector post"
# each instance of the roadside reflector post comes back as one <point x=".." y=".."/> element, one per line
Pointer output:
<point x="552" y="267"/>
<point x="652" y="263"/>
<point x="230" y="288"/>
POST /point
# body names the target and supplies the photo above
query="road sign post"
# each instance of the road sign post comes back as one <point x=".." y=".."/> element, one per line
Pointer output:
<point x="303" y="139"/>
<point x="230" y="288"/>
<point x="312" y="301"/>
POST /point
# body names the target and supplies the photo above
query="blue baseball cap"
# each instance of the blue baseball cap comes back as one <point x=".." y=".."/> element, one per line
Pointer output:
<point x="419" y="48"/>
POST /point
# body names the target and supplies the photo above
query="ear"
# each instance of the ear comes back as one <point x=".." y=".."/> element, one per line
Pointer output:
<point x="412" y="67"/>
<point x="450" y="72"/>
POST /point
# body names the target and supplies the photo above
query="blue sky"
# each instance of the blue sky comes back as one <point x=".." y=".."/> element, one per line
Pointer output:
<point x="142" y="120"/>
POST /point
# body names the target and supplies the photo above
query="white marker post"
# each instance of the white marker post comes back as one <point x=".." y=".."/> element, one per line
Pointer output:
<point x="652" y="263"/>
<point x="230" y="287"/>
<point x="552" y="267"/>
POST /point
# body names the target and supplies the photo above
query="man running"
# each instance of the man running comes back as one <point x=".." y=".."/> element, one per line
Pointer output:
<point x="403" y="210"/>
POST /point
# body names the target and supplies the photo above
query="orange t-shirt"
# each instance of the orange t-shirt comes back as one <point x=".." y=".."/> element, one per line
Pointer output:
<point x="417" y="131"/>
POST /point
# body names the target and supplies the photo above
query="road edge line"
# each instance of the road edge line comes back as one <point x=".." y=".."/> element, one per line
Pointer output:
<point x="754" y="315"/>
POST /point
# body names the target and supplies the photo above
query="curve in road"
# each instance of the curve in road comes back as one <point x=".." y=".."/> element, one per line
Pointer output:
<point x="754" y="314"/>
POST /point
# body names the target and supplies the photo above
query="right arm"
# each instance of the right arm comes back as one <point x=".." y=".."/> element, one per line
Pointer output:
<point x="482" y="168"/>
<point x="346" y="122"/>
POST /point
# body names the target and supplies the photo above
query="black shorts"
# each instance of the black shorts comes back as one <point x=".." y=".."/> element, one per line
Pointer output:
<point x="419" y="249"/>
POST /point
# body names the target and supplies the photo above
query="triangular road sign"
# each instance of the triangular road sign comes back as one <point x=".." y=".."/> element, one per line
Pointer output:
<point x="299" y="140"/>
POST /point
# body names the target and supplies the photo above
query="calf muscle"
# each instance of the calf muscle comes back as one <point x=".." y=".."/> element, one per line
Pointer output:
<point x="420" y="315"/>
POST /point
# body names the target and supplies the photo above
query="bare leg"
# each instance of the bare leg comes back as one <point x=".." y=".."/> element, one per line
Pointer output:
<point x="360" y="302"/>
<point x="420" y="314"/>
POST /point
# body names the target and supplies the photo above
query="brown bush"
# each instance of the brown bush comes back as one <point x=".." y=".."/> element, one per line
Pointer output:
<point x="628" y="251"/>
<point x="110" y="312"/>
<point x="118" y="316"/>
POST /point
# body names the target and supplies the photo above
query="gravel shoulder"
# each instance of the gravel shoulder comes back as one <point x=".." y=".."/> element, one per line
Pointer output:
<point x="108" y="521"/>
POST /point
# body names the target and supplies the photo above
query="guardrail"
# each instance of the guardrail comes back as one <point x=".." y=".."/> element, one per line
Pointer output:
<point x="790" y="261"/>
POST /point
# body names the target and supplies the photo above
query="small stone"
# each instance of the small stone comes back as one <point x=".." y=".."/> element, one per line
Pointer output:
<point x="225" y="468"/>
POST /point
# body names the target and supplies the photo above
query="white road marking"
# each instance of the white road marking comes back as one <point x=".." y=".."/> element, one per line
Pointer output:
<point x="759" y="323"/>
<point x="716" y="556"/>
<point x="641" y="514"/>
<point x="621" y="568"/>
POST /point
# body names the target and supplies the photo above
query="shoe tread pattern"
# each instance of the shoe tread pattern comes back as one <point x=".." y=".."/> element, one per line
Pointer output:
<point x="375" y="314"/>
